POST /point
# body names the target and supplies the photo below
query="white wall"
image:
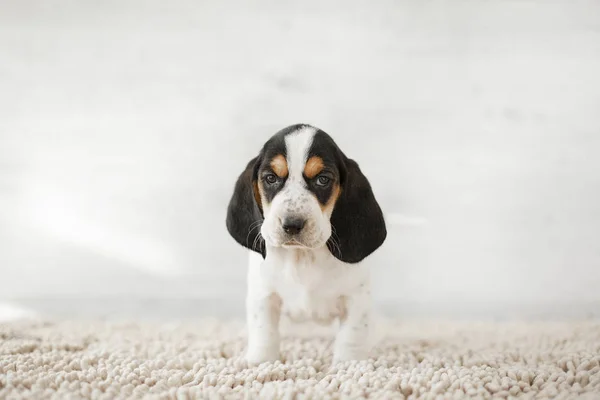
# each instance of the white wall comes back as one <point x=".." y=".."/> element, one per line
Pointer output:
<point x="123" y="126"/>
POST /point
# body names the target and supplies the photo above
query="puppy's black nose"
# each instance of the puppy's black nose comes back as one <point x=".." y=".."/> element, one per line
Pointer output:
<point x="293" y="226"/>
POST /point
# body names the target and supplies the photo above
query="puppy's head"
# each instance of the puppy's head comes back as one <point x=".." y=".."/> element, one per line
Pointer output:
<point x="301" y="191"/>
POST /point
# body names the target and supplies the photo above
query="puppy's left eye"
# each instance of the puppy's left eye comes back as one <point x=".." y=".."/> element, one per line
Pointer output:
<point x="270" y="179"/>
<point x="323" y="180"/>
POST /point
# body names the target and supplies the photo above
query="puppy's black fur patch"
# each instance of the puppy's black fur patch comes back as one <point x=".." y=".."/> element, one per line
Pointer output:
<point x="324" y="147"/>
<point x="357" y="220"/>
<point x="272" y="148"/>
<point x="244" y="216"/>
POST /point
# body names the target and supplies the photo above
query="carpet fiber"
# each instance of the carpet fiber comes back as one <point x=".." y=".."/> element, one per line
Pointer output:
<point x="203" y="360"/>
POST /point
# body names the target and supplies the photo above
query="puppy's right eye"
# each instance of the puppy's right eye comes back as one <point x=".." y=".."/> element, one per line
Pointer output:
<point x="270" y="179"/>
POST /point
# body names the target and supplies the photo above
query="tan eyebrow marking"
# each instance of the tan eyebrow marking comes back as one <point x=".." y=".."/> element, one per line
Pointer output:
<point x="279" y="166"/>
<point x="313" y="167"/>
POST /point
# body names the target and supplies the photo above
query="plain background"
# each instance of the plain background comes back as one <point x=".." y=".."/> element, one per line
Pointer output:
<point x="124" y="124"/>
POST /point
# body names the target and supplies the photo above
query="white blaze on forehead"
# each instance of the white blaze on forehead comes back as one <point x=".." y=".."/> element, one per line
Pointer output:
<point x="297" y="145"/>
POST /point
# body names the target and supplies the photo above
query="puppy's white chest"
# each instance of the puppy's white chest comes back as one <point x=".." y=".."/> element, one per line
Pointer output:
<point x="306" y="294"/>
<point x="312" y="284"/>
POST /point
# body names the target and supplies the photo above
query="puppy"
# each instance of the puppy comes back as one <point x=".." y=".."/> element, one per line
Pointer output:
<point x="309" y="211"/>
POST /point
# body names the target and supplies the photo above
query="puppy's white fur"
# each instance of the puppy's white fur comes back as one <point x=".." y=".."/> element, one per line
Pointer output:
<point x="304" y="282"/>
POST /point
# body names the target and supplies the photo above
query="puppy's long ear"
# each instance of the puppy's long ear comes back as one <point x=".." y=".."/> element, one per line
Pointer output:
<point x="357" y="220"/>
<point x="244" y="213"/>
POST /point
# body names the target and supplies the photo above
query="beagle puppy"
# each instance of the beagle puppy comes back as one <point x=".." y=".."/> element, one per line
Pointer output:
<point x="309" y="211"/>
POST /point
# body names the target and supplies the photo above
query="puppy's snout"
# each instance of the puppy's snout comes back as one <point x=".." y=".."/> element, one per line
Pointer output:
<point x="293" y="225"/>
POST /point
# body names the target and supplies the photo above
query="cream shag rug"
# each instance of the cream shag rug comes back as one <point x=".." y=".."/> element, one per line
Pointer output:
<point x="108" y="360"/>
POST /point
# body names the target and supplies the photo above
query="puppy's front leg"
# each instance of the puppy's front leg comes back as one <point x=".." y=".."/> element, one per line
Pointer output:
<point x="262" y="314"/>
<point x="353" y="340"/>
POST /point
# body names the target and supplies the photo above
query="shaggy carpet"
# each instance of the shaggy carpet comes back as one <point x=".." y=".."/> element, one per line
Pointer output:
<point x="108" y="360"/>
